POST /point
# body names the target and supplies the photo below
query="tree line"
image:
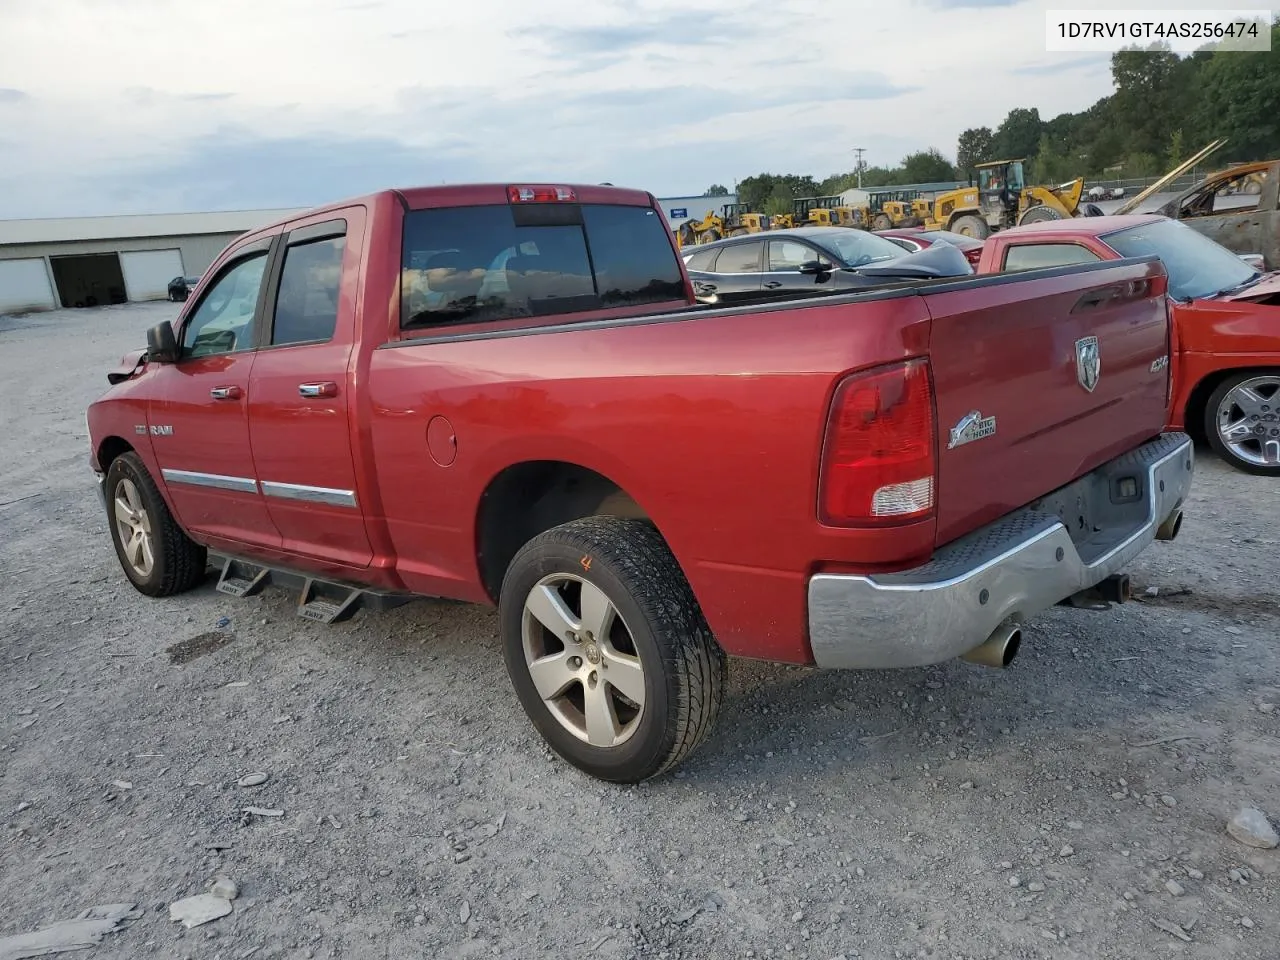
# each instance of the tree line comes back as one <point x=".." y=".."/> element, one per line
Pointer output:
<point x="1164" y="108"/>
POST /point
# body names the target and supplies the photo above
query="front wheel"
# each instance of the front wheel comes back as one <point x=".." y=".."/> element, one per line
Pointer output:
<point x="1040" y="214"/>
<point x="969" y="225"/>
<point x="157" y="556"/>
<point x="1242" y="421"/>
<point x="881" y="222"/>
<point x="608" y="650"/>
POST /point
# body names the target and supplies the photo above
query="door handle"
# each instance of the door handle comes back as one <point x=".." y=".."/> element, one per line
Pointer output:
<point x="225" y="393"/>
<point x="772" y="284"/>
<point x="706" y="287"/>
<point x="312" y="390"/>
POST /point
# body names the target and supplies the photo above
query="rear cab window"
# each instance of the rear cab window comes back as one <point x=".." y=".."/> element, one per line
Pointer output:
<point x="1033" y="256"/>
<point x="476" y="264"/>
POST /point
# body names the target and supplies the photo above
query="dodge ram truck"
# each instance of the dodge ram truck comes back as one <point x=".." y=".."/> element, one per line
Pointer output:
<point x="507" y="394"/>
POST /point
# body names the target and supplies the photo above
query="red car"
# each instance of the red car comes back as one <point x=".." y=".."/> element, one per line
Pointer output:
<point x="917" y="238"/>
<point x="507" y="395"/>
<point x="1226" y="313"/>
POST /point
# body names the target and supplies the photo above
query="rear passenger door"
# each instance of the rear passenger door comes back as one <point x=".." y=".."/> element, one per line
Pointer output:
<point x="299" y="413"/>
<point x="737" y="274"/>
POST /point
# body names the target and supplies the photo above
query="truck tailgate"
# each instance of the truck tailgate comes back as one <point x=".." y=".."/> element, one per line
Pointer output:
<point x="1022" y="407"/>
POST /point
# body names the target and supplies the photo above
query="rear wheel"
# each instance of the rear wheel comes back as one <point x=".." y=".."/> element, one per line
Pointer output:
<point x="881" y="221"/>
<point x="1040" y="214"/>
<point x="1242" y="421"/>
<point x="607" y="649"/>
<point x="969" y="225"/>
<point x="157" y="556"/>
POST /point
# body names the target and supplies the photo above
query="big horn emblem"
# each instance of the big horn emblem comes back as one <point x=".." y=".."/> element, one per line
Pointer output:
<point x="1088" y="362"/>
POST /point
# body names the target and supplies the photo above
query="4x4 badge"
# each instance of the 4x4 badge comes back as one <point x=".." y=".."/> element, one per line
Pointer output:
<point x="1088" y="362"/>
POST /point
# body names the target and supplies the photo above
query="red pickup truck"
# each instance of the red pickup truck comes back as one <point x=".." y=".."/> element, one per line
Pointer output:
<point x="508" y="395"/>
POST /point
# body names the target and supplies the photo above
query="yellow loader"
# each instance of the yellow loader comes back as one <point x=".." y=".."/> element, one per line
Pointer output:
<point x="1002" y="199"/>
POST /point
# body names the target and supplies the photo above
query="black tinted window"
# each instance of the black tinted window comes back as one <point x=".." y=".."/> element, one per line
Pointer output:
<point x="704" y="260"/>
<point x="470" y="264"/>
<point x="307" y="304"/>
<point x="740" y="258"/>
<point x="632" y="255"/>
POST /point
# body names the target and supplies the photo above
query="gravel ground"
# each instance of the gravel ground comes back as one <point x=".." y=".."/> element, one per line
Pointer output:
<point x="950" y="812"/>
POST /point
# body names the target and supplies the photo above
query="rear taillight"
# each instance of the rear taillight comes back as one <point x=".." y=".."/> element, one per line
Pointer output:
<point x="541" y="193"/>
<point x="879" y="457"/>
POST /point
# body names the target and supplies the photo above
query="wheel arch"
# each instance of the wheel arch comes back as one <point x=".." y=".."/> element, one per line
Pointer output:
<point x="109" y="449"/>
<point x="530" y="497"/>
<point x="1194" y="411"/>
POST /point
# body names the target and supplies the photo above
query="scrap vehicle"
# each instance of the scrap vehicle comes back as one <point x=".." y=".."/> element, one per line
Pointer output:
<point x="1237" y="208"/>
<point x="1225" y="314"/>
<point x="808" y="261"/>
<point x="508" y="394"/>
<point x="915" y="239"/>
<point x="1002" y="199"/>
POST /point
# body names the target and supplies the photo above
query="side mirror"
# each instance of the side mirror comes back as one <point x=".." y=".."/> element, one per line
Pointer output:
<point x="1255" y="260"/>
<point x="161" y="345"/>
<point x="813" y="267"/>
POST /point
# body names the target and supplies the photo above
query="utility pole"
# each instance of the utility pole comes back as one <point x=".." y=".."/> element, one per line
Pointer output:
<point x="858" y="167"/>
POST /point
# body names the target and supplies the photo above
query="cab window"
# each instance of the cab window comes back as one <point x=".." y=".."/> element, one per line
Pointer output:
<point x="1036" y="256"/>
<point x="307" y="303"/>
<point x="223" y="322"/>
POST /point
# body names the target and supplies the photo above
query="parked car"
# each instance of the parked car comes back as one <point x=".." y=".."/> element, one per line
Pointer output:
<point x="914" y="239"/>
<point x="440" y="392"/>
<point x="1226" y="321"/>
<point x="1237" y="208"/>
<point x="180" y="287"/>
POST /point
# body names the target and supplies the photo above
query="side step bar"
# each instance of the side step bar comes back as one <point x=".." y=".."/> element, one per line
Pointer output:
<point x="323" y="601"/>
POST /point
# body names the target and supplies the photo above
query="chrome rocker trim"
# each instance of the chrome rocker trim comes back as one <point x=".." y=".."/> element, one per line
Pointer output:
<point x="215" y="480"/>
<point x="1011" y="570"/>
<point x="301" y="491"/>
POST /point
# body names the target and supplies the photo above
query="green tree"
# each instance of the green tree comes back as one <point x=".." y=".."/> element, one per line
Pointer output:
<point x="927" y="166"/>
<point x="1177" y="152"/>
<point x="1156" y="91"/>
<point x="1240" y="99"/>
<point x="1049" y="166"/>
<point x="716" y="190"/>
<point x="974" y="147"/>
<point x="1018" y="136"/>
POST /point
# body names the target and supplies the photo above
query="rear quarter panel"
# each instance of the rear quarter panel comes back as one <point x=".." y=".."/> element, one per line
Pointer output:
<point x="713" y="423"/>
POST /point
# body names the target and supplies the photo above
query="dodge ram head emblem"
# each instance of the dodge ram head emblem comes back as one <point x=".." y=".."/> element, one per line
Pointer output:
<point x="1088" y="362"/>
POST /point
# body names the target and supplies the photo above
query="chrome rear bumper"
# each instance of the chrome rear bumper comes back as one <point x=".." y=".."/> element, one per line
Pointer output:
<point x="1008" y="571"/>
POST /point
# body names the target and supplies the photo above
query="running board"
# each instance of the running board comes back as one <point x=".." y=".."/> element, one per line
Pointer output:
<point x="322" y="601"/>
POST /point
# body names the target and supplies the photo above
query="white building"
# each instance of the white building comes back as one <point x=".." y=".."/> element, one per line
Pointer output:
<point x="680" y="209"/>
<point x="84" y="261"/>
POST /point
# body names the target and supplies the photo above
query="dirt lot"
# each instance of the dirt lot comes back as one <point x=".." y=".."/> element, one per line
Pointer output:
<point x="950" y="812"/>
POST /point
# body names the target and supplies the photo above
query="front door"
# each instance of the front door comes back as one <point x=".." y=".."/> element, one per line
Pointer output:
<point x="298" y="411"/>
<point x="200" y="426"/>
<point x="782" y="276"/>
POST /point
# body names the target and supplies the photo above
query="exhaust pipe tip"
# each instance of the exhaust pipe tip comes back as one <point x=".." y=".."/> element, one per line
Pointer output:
<point x="1171" y="527"/>
<point x="998" y="650"/>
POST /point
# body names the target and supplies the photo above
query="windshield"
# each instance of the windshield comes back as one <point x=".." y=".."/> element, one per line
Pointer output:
<point x="1197" y="266"/>
<point x="856" y="248"/>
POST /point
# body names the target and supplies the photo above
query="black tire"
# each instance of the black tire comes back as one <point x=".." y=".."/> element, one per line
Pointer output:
<point x="684" y="668"/>
<point x="178" y="562"/>
<point x="1040" y="214"/>
<point x="881" y="222"/>
<point x="709" y="236"/>
<point x="1217" y="444"/>
<point x="970" y="225"/>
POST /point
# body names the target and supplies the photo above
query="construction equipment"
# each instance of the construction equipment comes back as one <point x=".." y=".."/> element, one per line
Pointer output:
<point x="733" y="220"/>
<point x="820" y="212"/>
<point x="1002" y="199"/>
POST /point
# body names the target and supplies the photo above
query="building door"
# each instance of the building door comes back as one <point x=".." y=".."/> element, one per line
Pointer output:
<point x="147" y="272"/>
<point x="24" y="285"/>
<point x="88" y="280"/>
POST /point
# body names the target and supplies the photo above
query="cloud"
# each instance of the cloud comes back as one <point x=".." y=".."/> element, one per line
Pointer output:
<point x="971" y="4"/>
<point x="1054" y="67"/>
<point x="695" y="28"/>
<point x="10" y="95"/>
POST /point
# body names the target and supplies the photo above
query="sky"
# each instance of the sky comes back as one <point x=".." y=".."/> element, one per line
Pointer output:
<point x="154" y="106"/>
